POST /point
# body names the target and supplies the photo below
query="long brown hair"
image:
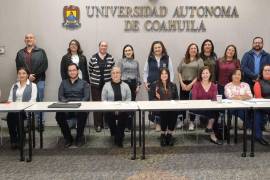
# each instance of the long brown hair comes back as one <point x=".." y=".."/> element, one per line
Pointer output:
<point x="187" y="55"/>
<point x="79" y="51"/>
<point x="212" y="54"/>
<point x="235" y="53"/>
<point x="160" y="84"/>
<point x="164" y="51"/>
<point x="199" y="78"/>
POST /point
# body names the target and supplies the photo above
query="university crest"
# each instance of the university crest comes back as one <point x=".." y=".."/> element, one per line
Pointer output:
<point x="71" y="15"/>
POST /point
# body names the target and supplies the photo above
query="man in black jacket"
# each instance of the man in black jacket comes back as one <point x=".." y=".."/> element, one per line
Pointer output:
<point x="35" y="60"/>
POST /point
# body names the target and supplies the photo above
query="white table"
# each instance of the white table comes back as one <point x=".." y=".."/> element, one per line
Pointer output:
<point x="14" y="106"/>
<point x="91" y="106"/>
<point x="256" y="104"/>
<point x="188" y="105"/>
<point x="18" y="107"/>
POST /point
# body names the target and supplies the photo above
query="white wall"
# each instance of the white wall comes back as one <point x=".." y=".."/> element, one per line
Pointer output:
<point x="44" y="19"/>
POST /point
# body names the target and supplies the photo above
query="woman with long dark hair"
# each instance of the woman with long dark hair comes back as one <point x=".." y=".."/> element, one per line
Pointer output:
<point x="225" y="66"/>
<point x="74" y="55"/>
<point x="164" y="89"/>
<point x="130" y="74"/>
<point x="157" y="59"/>
<point x="188" y="70"/>
<point x="209" y="56"/>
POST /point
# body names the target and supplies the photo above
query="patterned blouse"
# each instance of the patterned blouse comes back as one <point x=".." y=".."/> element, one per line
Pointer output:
<point x="232" y="90"/>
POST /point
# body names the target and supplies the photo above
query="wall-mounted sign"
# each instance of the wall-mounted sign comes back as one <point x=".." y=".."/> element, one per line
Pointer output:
<point x="163" y="19"/>
<point x="71" y="15"/>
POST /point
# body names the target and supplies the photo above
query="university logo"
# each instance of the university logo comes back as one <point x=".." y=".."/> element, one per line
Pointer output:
<point x="71" y="15"/>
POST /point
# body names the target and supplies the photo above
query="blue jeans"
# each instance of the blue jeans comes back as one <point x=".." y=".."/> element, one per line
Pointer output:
<point x="40" y="97"/>
<point x="259" y="119"/>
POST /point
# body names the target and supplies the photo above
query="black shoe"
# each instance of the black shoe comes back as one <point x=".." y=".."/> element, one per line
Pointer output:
<point x="80" y="141"/>
<point x="169" y="140"/>
<point x="262" y="141"/>
<point x="163" y="140"/>
<point x="218" y="142"/>
<point x="98" y="129"/>
<point x="208" y="130"/>
<point x="127" y="130"/>
<point x="68" y="143"/>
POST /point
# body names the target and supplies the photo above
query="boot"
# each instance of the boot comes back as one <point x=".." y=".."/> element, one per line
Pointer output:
<point x="162" y="140"/>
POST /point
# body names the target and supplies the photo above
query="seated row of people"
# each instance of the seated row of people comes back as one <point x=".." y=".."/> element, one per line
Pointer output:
<point x="75" y="89"/>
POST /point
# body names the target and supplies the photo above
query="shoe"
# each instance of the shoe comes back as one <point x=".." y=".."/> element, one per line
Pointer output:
<point x="191" y="126"/>
<point x="127" y="130"/>
<point x="158" y="128"/>
<point x="98" y="129"/>
<point x="208" y="130"/>
<point x="169" y="140"/>
<point x="218" y="142"/>
<point x="179" y="125"/>
<point x="80" y="141"/>
<point x="68" y="143"/>
<point x="163" y="140"/>
<point x="262" y="141"/>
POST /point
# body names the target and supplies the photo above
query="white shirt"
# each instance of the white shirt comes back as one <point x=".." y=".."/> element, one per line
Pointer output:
<point x="20" y="90"/>
<point x="146" y="69"/>
<point x="75" y="59"/>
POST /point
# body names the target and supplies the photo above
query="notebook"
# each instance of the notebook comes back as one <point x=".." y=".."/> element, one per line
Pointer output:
<point x="64" y="105"/>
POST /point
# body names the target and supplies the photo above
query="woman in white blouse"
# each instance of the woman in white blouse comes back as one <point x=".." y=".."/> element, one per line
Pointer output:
<point x="237" y="90"/>
<point x="22" y="91"/>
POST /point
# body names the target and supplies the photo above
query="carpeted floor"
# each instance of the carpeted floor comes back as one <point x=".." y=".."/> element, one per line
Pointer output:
<point x="100" y="159"/>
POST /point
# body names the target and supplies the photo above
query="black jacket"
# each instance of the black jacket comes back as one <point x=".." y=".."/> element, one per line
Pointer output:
<point x="39" y="63"/>
<point x="172" y="90"/>
<point x="66" y="60"/>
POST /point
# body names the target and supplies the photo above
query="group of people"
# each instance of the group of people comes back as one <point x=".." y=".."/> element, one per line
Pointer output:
<point x="201" y="75"/>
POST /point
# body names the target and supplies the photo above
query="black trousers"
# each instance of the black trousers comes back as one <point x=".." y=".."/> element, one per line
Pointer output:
<point x="168" y="120"/>
<point x="61" y="118"/>
<point x="132" y="83"/>
<point x="96" y="96"/>
<point x="13" y="125"/>
<point x="117" y="123"/>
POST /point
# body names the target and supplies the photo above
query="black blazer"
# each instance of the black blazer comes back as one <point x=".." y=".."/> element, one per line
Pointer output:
<point x="66" y="60"/>
<point x="172" y="90"/>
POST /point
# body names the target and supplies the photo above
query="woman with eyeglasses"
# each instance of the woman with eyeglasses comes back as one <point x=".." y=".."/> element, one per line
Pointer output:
<point x="74" y="55"/>
<point x="262" y="90"/>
